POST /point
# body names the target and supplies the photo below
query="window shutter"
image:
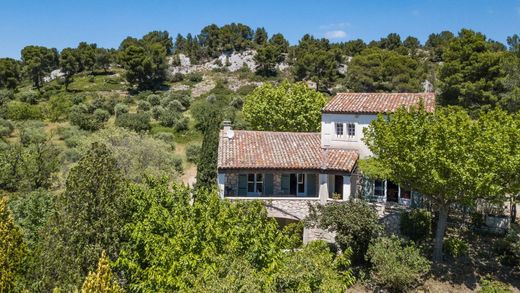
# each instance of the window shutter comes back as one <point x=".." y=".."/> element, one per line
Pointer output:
<point x="268" y="183"/>
<point x="242" y="184"/>
<point x="311" y="184"/>
<point x="285" y="182"/>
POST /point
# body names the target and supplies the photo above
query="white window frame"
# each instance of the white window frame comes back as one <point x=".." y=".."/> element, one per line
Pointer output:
<point x="351" y="130"/>
<point x="256" y="181"/>
<point x="383" y="183"/>
<point x="339" y="126"/>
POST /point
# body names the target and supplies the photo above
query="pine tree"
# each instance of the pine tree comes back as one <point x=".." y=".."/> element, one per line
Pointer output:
<point x="101" y="280"/>
<point x="207" y="163"/>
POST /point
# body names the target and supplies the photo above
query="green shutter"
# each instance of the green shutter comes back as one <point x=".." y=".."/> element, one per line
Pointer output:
<point x="268" y="182"/>
<point x="285" y="182"/>
<point x="311" y="184"/>
<point x="242" y="184"/>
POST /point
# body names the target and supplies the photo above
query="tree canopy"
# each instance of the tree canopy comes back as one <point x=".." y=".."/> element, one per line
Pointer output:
<point x="286" y="107"/>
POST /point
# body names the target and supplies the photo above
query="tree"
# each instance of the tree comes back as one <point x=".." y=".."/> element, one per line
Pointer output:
<point x="145" y="65"/>
<point x="377" y="70"/>
<point x="103" y="59"/>
<point x="12" y="250"/>
<point x="353" y="47"/>
<point x="356" y="224"/>
<point x="89" y="218"/>
<point x="69" y="64"/>
<point x="412" y="44"/>
<point x="178" y="236"/>
<point x="260" y="37"/>
<point x="437" y="44"/>
<point x="38" y="62"/>
<point x="86" y="56"/>
<point x="207" y="161"/>
<point x="391" y="42"/>
<point x="280" y="42"/>
<point x="266" y="58"/>
<point x="447" y="157"/>
<point x="101" y="280"/>
<point x="159" y="37"/>
<point x="10" y="74"/>
<point x="471" y="74"/>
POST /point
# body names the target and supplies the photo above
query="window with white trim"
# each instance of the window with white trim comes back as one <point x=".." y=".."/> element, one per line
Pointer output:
<point x="339" y="129"/>
<point x="351" y="130"/>
<point x="379" y="187"/>
<point x="301" y="183"/>
<point x="255" y="184"/>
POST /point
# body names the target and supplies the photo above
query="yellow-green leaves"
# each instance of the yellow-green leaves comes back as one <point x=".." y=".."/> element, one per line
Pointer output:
<point x="12" y="249"/>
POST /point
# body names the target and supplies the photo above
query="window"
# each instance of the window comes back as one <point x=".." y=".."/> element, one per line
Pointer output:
<point x="301" y="183"/>
<point x="255" y="183"/>
<point x="351" y="130"/>
<point x="379" y="188"/>
<point x="339" y="129"/>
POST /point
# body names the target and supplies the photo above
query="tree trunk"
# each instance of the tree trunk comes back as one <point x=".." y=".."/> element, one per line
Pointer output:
<point x="439" y="234"/>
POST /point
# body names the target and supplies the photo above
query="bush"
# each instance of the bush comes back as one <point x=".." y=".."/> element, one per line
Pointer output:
<point x="101" y="115"/>
<point x="455" y="246"/>
<point x="169" y="118"/>
<point x="80" y="117"/>
<point x="175" y="106"/>
<point x="177" y="77"/>
<point x="23" y="111"/>
<point x="143" y="106"/>
<point x="246" y="89"/>
<point x="355" y="222"/>
<point x="194" y="77"/>
<point x="78" y="99"/>
<point x="192" y="153"/>
<point x="58" y="107"/>
<point x="30" y="97"/>
<point x="32" y="134"/>
<point x="237" y="103"/>
<point x="154" y="99"/>
<point x="6" y="127"/>
<point x="157" y="111"/>
<point x="137" y="122"/>
<point x="72" y="136"/>
<point x="508" y="249"/>
<point x="120" y="109"/>
<point x="490" y="285"/>
<point x="167" y="137"/>
<point x="395" y="266"/>
<point x="181" y="124"/>
<point x="416" y="224"/>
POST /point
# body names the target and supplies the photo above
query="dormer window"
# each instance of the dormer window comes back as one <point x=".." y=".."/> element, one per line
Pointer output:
<point x="339" y="129"/>
<point x="351" y="130"/>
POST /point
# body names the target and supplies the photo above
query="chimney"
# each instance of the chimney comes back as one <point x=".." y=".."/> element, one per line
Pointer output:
<point x="228" y="130"/>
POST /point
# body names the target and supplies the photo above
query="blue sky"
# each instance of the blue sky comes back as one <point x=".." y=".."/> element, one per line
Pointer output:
<point x="64" y="23"/>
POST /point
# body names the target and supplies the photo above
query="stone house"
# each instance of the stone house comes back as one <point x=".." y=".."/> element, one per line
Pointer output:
<point x="291" y="169"/>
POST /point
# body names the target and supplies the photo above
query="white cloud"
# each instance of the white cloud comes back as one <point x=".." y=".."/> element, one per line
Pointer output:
<point x="336" y="26"/>
<point x="336" y="34"/>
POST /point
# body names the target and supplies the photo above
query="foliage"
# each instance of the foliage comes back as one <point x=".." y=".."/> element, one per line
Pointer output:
<point x="69" y="64"/>
<point x="455" y="246"/>
<point x="120" y="108"/>
<point x="508" y="249"/>
<point x="194" y="77"/>
<point x="395" y="266"/>
<point x="89" y="218"/>
<point x="355" y="223"/>
<point x="38" y="62"/>
<point x="416" y="224"/>
<point x="101" y="115"/>
<point x="177" y="236"/>
<point x="23" y="111"/>
<point x="490" y="285"/>
<point x="378" y="70"/>
<point x="12" y="249"/>
<point x="101" y="280"/>
<point x="471" y="74"/>
<point x="193" y="152"/>
<point x="286" y="107"/>
<point x="6" y="127"/>
<point x="80" y="116"/>
<point x="10" y="73"/>
<point x="136" y="155"/>
<point x="207" y="160"/>
<point x="137" y="122"/>
<point x="447" y="156"/>
<point x="58" y="107"/>
<point x="266" y="58"/>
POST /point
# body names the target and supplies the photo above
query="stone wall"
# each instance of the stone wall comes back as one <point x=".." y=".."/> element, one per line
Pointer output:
<point x="296" y="209"/>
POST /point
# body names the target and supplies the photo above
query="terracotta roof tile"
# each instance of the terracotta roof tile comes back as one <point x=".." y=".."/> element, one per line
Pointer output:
<point x="377" y="102"/>
<point x="281" y="150"/>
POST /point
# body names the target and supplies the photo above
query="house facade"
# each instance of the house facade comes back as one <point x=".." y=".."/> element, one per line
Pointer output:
<point x="290" y="169"/>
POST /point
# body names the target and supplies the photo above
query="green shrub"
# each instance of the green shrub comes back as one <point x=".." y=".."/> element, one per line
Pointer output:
<point x="246" y="89"/>
<point x="416" y="224"/>
<point x="23" y="111"/>
<point x="6" y="127"/>
<point x="169" y="118"/>
<point x="154" y="99"/>
<point x="192" y="153"/>
<point x="355" y="222"/>
<point x="120" y="109"/>
<point x="72" y="136"/>
<point x="490" y="285"/>
<point x="181" y="124"/>
<point x="137" y="122"/>
<point x="508" y="249"/>
<point x="194" y="77"/>
<point x="237" y="103"/>
<point x="395" y="266"/>
<point x="32" y="134"/>
<point x="58" y="107"/>
<point x="175" y="106"/>
<point x="167" y="137"/>
<point x="101" y="115"/>
<point x="30" y="97"/>
<point x="455" y="246"/>
<point x="143" y="106"/>
<point x="80" y="117"/>
<point x="157" y="111"/>
<point x="78" y="99"/>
